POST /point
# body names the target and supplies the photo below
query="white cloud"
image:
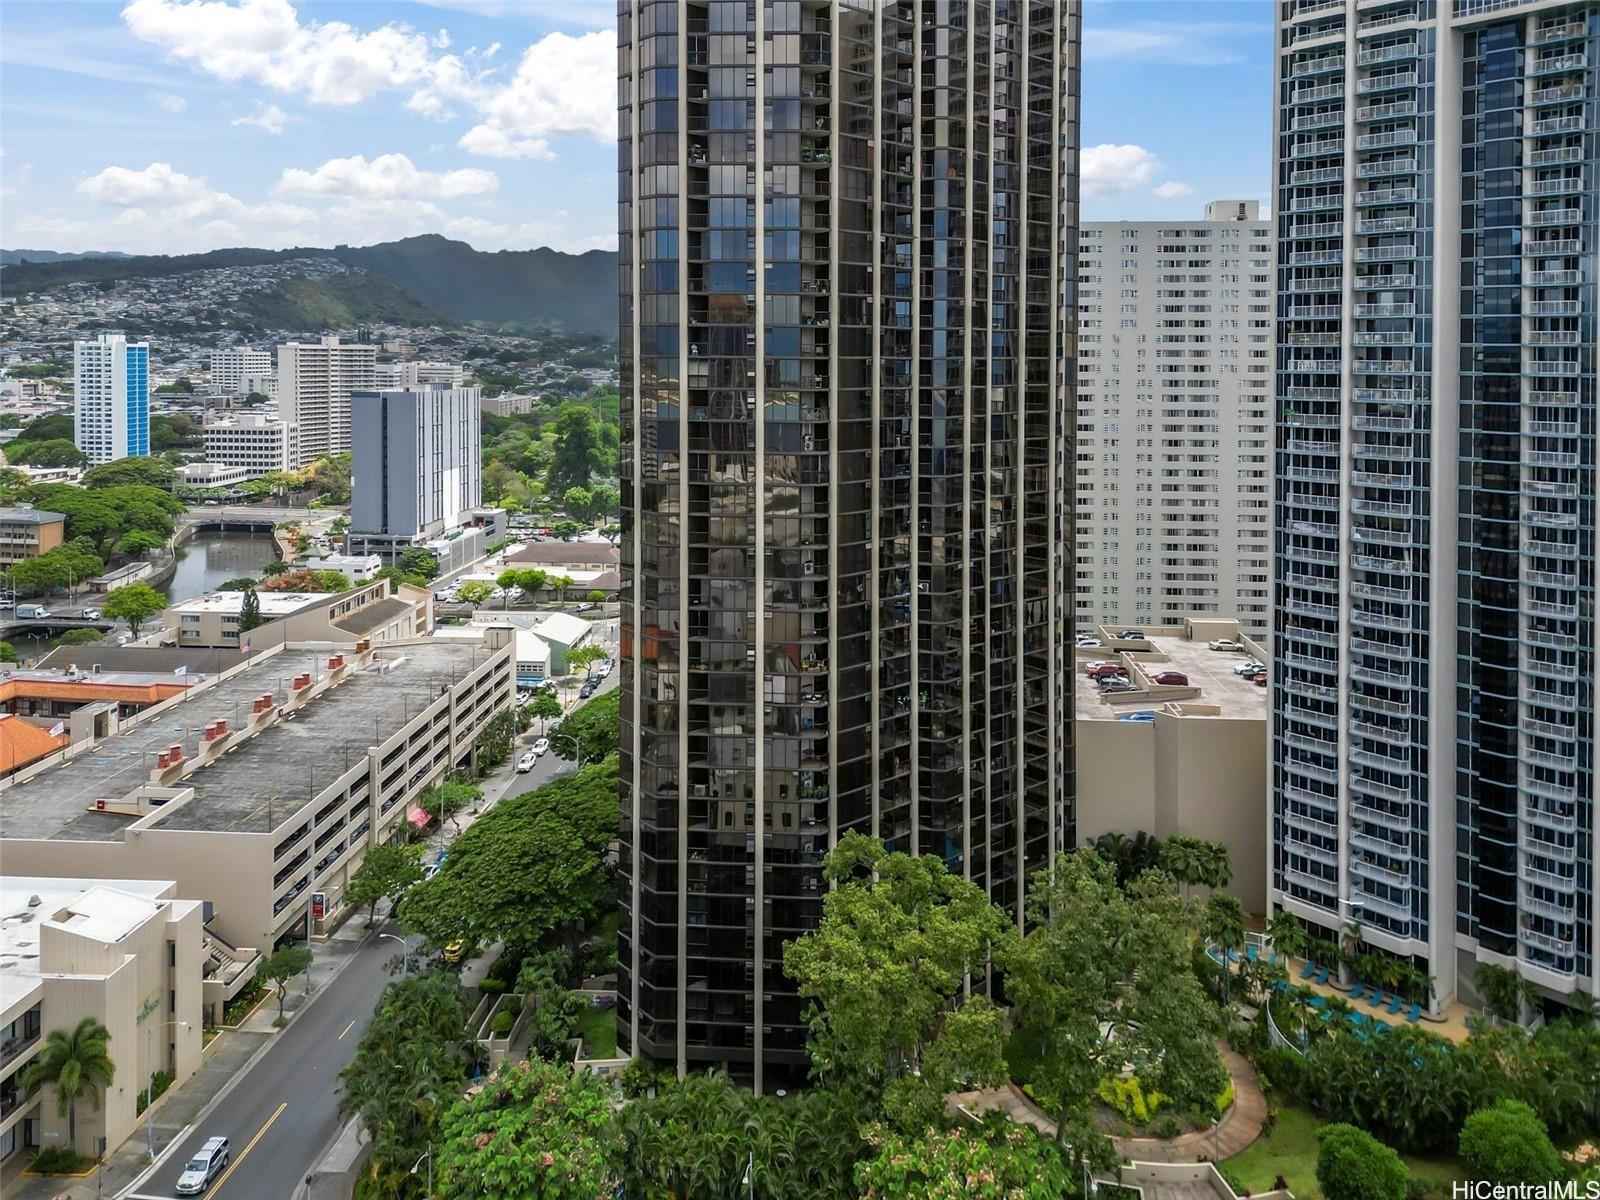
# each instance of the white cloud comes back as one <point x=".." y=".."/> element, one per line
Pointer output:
<point x="330" y="62"/>
<point x="555" y="91"/>
<point x="387" y="177"/>
<point x="269" y="119"/>
<point x="1109" y="170"/>
<point x="1172" y="189"/>
<point x="1198" y="45"/>
<point x="187" y="197"/>
<point x="168" y="102"/>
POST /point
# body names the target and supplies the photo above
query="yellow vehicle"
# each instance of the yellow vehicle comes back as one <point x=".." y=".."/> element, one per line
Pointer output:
<point x="454" y="952"/>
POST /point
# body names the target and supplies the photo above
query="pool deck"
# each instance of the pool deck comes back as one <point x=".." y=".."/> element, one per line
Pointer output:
<point x="1452" y="1025"/>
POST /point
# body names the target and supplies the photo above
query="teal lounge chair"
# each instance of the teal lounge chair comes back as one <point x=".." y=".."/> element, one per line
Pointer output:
<point x="1359" y="991"/>
<point x="1321" y="975"/>
<point x="1414" y="1013"/>
<point x="1311" y="969"/>
<point x="1396" y="1004"/>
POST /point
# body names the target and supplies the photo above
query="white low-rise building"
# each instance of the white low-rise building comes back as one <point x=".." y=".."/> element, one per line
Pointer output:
<point x="261" y="443"/>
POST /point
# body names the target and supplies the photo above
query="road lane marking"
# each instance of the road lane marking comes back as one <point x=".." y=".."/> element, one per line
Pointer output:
<point x="347" y="1029"/>
<point x="260" y="1133"/>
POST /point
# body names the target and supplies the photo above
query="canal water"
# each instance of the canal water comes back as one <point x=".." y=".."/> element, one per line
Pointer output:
<point x="205" y="561"/>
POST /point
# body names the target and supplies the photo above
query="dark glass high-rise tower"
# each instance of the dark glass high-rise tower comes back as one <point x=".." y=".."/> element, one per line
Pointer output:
<point x="847" y="347"/>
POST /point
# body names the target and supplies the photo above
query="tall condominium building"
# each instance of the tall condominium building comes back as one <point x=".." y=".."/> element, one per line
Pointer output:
<point x="417" y="465"/>
<point x="111" y="390"/>
<point x="235" y="369"/>
<point x="847" y="344"/>
<point x="1434" y="642"/>
<point x="413" y="374"/>
<point x="1174" y="469"/>
<point x="315" y="380"/>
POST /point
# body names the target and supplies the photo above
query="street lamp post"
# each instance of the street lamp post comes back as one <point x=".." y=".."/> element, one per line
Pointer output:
<point x="428" y="1155"/>
<point x="150" y="1092"/>
<point x="405" y="955"/>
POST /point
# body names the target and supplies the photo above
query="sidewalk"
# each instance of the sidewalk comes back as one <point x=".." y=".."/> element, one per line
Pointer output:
<point x="227" y="1058"/>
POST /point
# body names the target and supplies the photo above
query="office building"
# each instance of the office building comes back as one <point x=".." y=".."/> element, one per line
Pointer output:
<point x="1174" y="452"/>
<point x="418" y="374"/>
<point x="417" y="464"/>
<point x="315" y="380"/>
<point x="260" y="788"/>
<point x="111" y="397"/>
<point x="29" y="532"/>
<point x="1434" y="760"/>
<point x="508" y="405"/>
<point x="126" y="952"/>
<point x="847" y="346"/>
<point x="260" y="443"/>
<point x="235" y="371"/>
<point x="374" y="612"/>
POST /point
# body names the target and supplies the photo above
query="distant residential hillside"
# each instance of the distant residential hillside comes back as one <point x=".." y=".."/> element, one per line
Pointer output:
<point x="510" y="289"/>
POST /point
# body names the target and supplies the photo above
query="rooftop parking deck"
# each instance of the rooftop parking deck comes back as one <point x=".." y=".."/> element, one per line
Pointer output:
<point x="262" y="781"/>
<point x="1211" y="671"/>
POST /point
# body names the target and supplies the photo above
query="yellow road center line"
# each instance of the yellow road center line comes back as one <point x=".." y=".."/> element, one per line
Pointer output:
<point x="347" y="1029"/>
<point x="260" y="1133"/>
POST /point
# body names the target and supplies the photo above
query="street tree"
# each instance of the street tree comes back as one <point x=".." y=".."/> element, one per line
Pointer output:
<point x="578" y="453"/>
<point x="417" y="561"/>
<point x="475" y="592"/>
<point x="592" y="731"/>
<point x="152" y="472"/>
<point x="886" y="972"/>
<point x="532" y="1130"/>
<point x="77" y="1062"/>
<point x="281" y="966"/>
<point x="1101" y="984"/>
<point x="530" y="869"/>
<point x="443" y="800"/>
<point x="585" y="657"/>
<point x="547" y="708"/>
<point x="134" y="603"/>
<point x="505" y="581"/>
<point x="386" y="871"/>
<point x="139" y="541"/>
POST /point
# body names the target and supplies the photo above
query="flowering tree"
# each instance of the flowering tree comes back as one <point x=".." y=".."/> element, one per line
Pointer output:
<point x="1000" y="1161"/>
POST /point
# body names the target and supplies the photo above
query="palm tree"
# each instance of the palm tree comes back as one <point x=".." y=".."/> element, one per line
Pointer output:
<point x="1222" y="922"/>
<point x="78" y="1064"/>
<point x="1183" y="859"/>
<point x="1288" y="934"/>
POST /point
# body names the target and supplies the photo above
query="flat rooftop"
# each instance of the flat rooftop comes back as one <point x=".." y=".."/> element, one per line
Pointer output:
<point x="257" y="785"/>
<point x="1209" y="670"/>
<point x="105" y="909"/>
<point x="273" y="604"/>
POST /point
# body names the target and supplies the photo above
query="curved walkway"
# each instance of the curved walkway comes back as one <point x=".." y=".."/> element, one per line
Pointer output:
<point x="1240" y="1125"/>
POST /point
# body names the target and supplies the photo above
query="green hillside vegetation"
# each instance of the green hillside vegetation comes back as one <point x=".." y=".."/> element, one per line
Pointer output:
<point x="354" y="299"/>
<point x="508" y="289"/>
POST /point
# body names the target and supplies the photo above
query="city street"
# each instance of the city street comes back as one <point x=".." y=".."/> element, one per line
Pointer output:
<point x="286" y="1110"/>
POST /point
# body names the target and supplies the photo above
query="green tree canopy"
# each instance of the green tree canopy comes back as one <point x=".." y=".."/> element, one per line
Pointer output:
<point x="595" y="726"/>
<point x="138" y="541"/>
<point x="532" y="866"/>
<point x="886" y="970"/>
<point x="1102" y="983"/>
<point x="579" y="449"/>
<point x="417" y="561"/>
<point x="387" y="870"/>
<point x="250" y="616"/>
<point x="302" y="579"/>
<point x="585" y="657"/>
<point x="997" y="1161"/>
<point x="57" y="452"/>
<point x="151" y="472"/>
<point x="56" y="427"/>
<point x="1508" y="1143"/>
<point x="476" y="591"/>
<point x="281" y="966"/>
<point x="532" y="1131"/>
<point x="67" y="565"/>
<point x="1354" y="1165"/>
<point x="134" y="603"/>
<point x="547" y="708"/>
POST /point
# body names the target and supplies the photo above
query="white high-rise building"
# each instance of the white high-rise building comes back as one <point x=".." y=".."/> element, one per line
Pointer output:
<point x="417" y="465"/>
<point x="111" y="386"/>
<point x="1174" y="470"/>
<point x="418" y="374"/>
<point x="315" y="380"/>
<point x="233" y="370"/>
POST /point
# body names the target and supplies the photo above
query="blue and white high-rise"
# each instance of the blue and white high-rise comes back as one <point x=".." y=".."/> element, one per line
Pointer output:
<point x="111" y="378"/>
<point x="1434" y="645"/>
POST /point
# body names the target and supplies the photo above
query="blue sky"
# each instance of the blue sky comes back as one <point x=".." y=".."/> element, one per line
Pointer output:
<point x="169" y="126"/>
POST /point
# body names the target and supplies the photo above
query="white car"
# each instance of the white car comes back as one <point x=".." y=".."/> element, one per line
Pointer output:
<point x="1250" y="668"/>
<point x="525" y="763"/>
<point x="1226" y="644"/>
<point x="540" y="747"/>
<point x="202" y="1170"/>
<point x="91" y="614"/>
<point x="1088" y="643"/>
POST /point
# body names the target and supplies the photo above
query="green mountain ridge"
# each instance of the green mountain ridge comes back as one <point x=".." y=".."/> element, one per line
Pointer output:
<point x="509" y="289"/>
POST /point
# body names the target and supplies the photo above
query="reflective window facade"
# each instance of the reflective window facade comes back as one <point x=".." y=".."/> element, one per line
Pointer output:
<point x="847" y="349"/>
<point x="1434" y="637"/>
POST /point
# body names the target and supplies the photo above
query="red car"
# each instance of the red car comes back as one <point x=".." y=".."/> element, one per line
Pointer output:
<point x="1260" y="680"/>
<point x="1101" y="670"/>
<point x="1170" y="678"/>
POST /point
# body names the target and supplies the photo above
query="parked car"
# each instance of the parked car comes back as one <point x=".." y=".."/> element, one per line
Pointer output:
<point x="1115" y="684"/>
<point x="91" y="614"/>
<point x="1088" y="643"/>
<point x="208" y="1162"/>
<point x="454" y="952"/>
<point x="540" y="747"/>
<point x="525" y="763"/>
<point x="1261" y="680"/>
<point x="1102" y="670"/>
<point x="1247" y="669"/>
<point x="605" y="668"/>
<point x="1130" y="635"/>
<point x="1138" y="716"/>
<point x="1225" y="644"/>
<point x="588" y="688"/>
<point x="1170" y="678"/>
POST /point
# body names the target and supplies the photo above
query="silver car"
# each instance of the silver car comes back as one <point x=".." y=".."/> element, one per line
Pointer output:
<point x="202" y="1170"/>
